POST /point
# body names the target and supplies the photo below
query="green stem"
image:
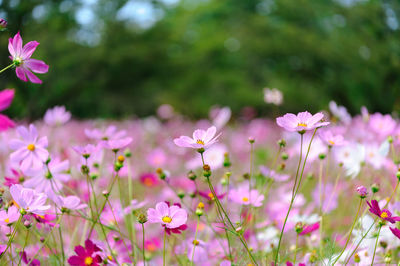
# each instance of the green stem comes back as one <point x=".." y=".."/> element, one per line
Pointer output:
<point x="7" y="67"/>
<point x="351" y="230"/>
<point x="165" y="236"/>
<point x="295" y="251"/>
<point x="295" y="190"/>
<point x="376" y="244"/>
<point x="195" y="239"/>
<point x="23" y="248"/>
<point x="144" y="258"/>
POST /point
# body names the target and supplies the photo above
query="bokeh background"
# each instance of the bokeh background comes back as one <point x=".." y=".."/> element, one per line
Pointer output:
<point x="119" y="58"/>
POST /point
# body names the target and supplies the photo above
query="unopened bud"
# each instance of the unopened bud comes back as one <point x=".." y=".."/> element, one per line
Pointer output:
<point x="121" y="158"/>
<point x="191" y="175"/>
<point x="181" y="194"/>
<point x="390" y="139"/>
<point x="84" y="169"/>
<point x="251" y="140"/>
<point x="322" y="156"/>
<point x="299" y="227"/>
<point x="362" y="191"/>
<point x="375" y="188"/>
<point x="282" y="143"/>
<point x="142" y="218"/>
<point x="284" y="156"/>
<point x="127" y="153"/>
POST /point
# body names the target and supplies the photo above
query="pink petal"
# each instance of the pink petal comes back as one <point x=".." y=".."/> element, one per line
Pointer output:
<point x="28" y="50"/>
<point x="36" y="66"/>
<point x="6" y="97"/>
<point x="32" y="78"/>
<point x="20" y="71"/>
<point x="5" y="123"/>
<point x="162" y="209"/>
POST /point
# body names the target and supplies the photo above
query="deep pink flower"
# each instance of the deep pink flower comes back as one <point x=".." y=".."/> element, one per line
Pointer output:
<point x="30" y="152"/>
<point x="395" y="231"/>
<point x="26" y="260"/>
<point x="383" y="214"/>
<point x="6" y="97"/>
<point x="170" y="217"/>
<point x="201" y="139"/>
<point x="362" y="191"/>
<point x="149" y="179"/>
<point x="86" y="255"/>
<point x="21" y="57"/>
<point x="29" y="200"/>
<point x="301" y="122"/>
<point x="17" y="178"/>
<point x="309" y="229"/>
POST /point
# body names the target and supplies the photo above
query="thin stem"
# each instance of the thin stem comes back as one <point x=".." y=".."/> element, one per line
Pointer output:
<point x="144" y="257"/>
<point x="376" y="244"/>
<point x="12" y="236"/>
<point x="23" y="248"/>
<point x="295" y="251"/>
<point x="195" y="239"/>
<point x="351" y="230"/>
<point x="7" y="67"/>
<point x="295" y="190"/>
<point x="165" y="236"/>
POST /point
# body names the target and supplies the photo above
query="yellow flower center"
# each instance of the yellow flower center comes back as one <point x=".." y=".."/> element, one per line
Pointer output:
<point x="302" y="125"/>
<point x="245" y="199"/>
<point x="7" y="220"/>
<point x="384" y="215"/>
<point x="195" y="242"/>
<point x="31" y="147"/>
<point x="211" y="196"/>
<point x="167" y="219"/>
<point x="331" y="142"/>
<point x="110" y="258"/>
<point x="199" y="141"/>
<point x="88" y="261"/>
<point x="148" y="182"/>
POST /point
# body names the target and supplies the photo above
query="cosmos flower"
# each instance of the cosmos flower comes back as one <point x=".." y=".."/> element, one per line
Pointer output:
<point x="170" y="217"/>
<point x="242" y="196"/>
<point x="362" y="191"/>
<point x="21" y="57"/>
<point x="116" y="144"/>
<point x="86" y="255"/>
<point x="331" y="140"/>
<point x="67" y="203"/>
<point x="395" y="231"/>
<point x="267" y="172"/>
<point x="30" y="152"/>
<point x="85" y="151"/>
<point x="9" y="216"/>
<point x="202" y="139"/>
<point x="301" y="122"/>
<point x="6" y="97"/>
<point x="273" y="96"/>
<point x="309" y="229"/>
<point x="29" y="200"/>
<point x="57" y="116"/>
<point x="383" y="214"/>
<point x="107" y="134"/>
<point x="340" y="112"/>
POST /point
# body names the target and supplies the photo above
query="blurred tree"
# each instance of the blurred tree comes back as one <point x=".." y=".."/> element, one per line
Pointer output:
<point x="201" y="53"/>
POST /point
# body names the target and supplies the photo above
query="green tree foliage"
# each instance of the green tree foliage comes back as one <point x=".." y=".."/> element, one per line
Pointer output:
<point x="201" y="53"/>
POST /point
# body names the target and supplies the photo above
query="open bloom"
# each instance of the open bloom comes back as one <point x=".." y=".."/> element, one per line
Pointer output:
<point x="301" y="122"/>
<point x="29" y="200"/>
<point x="383" y="214"/>
<point x="242" y="196"/>
<point x="309" y="229"/>
<point x="21" y="57"/>
<point x="330" y="139"/>
<point x="67" y="203"/>
<point x="170" y="217"/>
<point x="57" y="116"/>
<point x="395" y="231"/>
<point x="6" y="97"/>
<point x="201" y="139"/>
<point x="86" y="255"/>
<point x="30" y="152"/>
<point x="9" y="216"/>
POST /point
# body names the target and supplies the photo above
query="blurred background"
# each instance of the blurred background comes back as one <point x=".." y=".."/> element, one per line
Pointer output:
<point x="119" y="58"/>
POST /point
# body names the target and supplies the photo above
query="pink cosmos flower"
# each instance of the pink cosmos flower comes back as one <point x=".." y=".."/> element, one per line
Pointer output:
<point x="309" y="228"/>
<point x="9" y="216"/>
<point x="85" y="151"/>
<point x="272" y="174"/>
<point x="57" y="116"/>
<point x="383" y="214"/>
<point x="30" y="152"/>
<point x="362" y="191"/>
<point x="242" y="196"/>
<point x="29" y="200"/>
<point x="67" y="203"/>
<point x="395" y="231"/>
<point x="330" y="139"/>
<point x="86" y="255"/>
<point x="201" y="139"/>
<point x="107" y="134"/>
<point x="301" y="122"/>
<point x="116" y="144"/>
<point x="21" y="57"/>
<point x="170" y="217"/>
<point x="6" y="97"/>
<point x="50" y="180"/>
<point x="149" y="179"/>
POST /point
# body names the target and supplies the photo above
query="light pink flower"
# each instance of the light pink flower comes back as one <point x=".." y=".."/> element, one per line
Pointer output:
<point x="85" y="151"/>
<point x="242" y="196"/>
<point x="170" y="217"/>
<point x="116" y="144"/>
<point x="57" y="116"/>
<point x="9" y="216"/>
<point x="21" y="57"/>
<point x="29" y="200"/>
<point x="67" y="203"/>
<point x="107" y="134"/>
<point x="201" y="139"/>
<point x="301" y="122"/>
<point x="330" y="139"/>
<point x="30" y="152"/>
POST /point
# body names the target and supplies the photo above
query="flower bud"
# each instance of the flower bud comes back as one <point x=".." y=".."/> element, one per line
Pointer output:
<point x="362" y="191"/>
<point x="201" y="150"/>
<point x="121" y="159"/>
<point x="251" y="140"/>
<point x="282" y="143"/>
<point x="206" y="170"/>
<point x="375" y="188"/>
<point x="94" y="176"/>
<point x="191" y="175"/>
<point x="127" y="153"/>
<point x="398" y="175"/>
<point x="390" y="139"/>
<point x="106" y="193"/>
<point x="284" y="156"/>
<point x="85" y="169"/>
<point x="27" y="224"/>
<point x="322" y="156"/>
<point x="3" y="24"/>
<point x="299" y="227"/>
<point x="227" y="161"/>
<point x="357" y="258"/>
<point x="142" y="218"/>
<point x="161" y="173"/>
<point x="246" y="176"/>
<point x="281" y="166"/>
<point x="181" y="194"/>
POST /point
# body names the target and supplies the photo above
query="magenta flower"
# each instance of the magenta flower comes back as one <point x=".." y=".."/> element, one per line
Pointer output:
<point x="9" y="216"/>
<point x="383" y="214"/>
<point x="6" y="97"/>
<point x="362" y="191"/>
<point x="57" y="116"/>
<point x="86" y="255"/>
<point x="301" y="122"/>
<point x="242" y="196"/>
<point x="30" y="152"/>
<point x="28" y="200"/>
<point x="170" y="217"/>
<point x="21" y="57"/>
<point x="309" y="229"/>
<point x="395" y="231"/>
<point x="201" y="139"/>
